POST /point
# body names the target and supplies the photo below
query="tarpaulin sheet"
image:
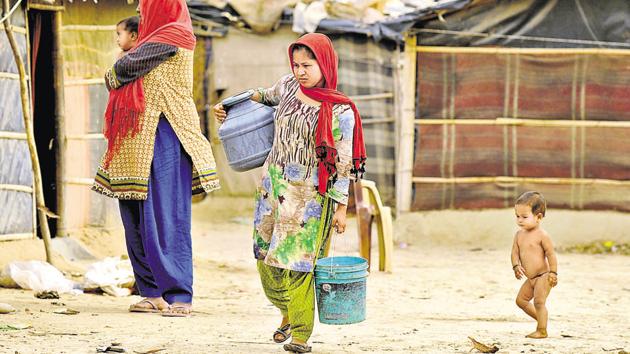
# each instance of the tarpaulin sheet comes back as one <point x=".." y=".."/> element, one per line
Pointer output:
<point x="589" y="20"/>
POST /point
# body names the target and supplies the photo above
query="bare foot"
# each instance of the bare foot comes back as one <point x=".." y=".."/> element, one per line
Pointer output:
<point x="178" y="309"/>
<point x="539" y="334"/>
<point x="149" y="304"/>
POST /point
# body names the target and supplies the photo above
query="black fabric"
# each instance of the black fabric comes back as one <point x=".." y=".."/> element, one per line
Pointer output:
<point x="142" y="60"/>
<point x="585" y="20"/>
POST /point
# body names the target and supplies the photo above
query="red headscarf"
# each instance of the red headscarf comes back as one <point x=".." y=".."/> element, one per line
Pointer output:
<point x="161" y="21"/>
<point x="325" y="149"/>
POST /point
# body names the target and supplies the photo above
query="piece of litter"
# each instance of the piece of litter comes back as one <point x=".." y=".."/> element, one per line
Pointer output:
<point x="50" y="294"/>
<point x="149" y="351"/>
<point x="566" y="335"/>
<point x="6" y="308"/>
<point x="110" y="349"/>
<point x="15" y="326"/>
<point x="66" y="311"/>
<point x="482" y="347"/>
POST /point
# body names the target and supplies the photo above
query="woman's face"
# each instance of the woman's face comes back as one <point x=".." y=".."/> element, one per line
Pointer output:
<point x="306" y="69"/>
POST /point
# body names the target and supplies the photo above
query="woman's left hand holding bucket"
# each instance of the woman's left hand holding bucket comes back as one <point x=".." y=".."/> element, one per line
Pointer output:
<point x="339" y="219"/>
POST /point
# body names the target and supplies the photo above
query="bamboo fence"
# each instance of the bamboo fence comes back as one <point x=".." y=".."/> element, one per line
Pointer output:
<point x="408" y="121"/>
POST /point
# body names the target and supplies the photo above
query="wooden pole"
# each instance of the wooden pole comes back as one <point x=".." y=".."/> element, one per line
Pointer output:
<point x="404" y="160"/>
<point x="42" y="211"/>
<point x="526" y="122"/>
<point x="513" y="180"/>
<point x="60" y="146"/>
<point x="526" y="51"/>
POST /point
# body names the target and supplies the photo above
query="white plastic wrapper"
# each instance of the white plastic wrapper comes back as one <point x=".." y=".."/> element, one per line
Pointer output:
<point x="37" y="276"/>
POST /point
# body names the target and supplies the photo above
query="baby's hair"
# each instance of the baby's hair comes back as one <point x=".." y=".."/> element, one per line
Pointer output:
<point x="535" y="200"/>
<point x="300" y="46"/>
<point x="130" y="23"/>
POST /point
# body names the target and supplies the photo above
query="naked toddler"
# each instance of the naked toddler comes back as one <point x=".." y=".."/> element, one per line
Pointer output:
<point x="533" y="256"/>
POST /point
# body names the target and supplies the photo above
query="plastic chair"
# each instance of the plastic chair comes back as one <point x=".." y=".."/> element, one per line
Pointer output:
<point x="370" y="209"/>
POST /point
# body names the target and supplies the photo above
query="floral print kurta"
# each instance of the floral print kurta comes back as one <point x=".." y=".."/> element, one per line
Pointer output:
<point x="288" y="207"/>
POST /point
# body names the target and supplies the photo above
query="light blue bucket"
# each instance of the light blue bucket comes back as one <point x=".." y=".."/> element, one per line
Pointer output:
<point x="340" y="288"/>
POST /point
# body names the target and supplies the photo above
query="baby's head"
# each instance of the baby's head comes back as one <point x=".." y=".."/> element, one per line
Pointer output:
<point x="530" y="209"/>
<point x="127" y="31"/>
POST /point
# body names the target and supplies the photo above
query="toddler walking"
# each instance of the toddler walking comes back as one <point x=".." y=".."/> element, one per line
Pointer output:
<point x="534" y="258"/>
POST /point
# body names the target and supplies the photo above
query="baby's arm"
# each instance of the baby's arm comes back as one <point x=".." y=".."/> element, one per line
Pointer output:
<point x="551" y="258"/>
<point x="516" y="259"/>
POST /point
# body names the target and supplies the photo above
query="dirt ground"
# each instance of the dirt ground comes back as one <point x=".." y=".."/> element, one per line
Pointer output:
<point x="439" y="294"/>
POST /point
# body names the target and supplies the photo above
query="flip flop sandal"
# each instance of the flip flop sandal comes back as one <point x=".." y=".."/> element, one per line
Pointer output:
<point x="171" y="313"/>
<point x="297" y="348"/>
<point x="282" y="334"/>
<point x="138" y="308"/>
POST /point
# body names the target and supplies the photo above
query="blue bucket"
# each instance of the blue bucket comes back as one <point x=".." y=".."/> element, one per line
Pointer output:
<point x="340" y="287"/>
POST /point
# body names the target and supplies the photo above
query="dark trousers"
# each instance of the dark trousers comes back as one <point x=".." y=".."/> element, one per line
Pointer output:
<point x="157" y="230"/>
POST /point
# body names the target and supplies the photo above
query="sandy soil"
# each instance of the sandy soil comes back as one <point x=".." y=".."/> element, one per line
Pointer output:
<point x="436" y="297"/>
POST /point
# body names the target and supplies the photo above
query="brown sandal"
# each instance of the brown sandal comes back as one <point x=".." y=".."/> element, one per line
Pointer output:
<point x="282" y="334"/>
<point x="171" y="311"/>
<point x="297" y="348"/>
<point x="138" y="308"/>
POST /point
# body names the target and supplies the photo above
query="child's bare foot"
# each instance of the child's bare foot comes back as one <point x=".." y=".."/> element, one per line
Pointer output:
<point x="539" y="334"/>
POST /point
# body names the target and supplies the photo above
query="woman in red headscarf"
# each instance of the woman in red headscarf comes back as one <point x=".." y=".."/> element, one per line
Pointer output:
<point x="303" y="192"/>
<point x="156" y="155"/>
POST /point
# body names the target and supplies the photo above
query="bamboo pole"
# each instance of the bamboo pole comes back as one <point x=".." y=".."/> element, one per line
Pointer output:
<point x="372" y="97"/>
<point x="398" y="113"/>
<point x="89" y="136"/>
<point x="45" y="7"/>
<point x="12" y="135"/>
<point x="533" y="51"/>
<point x="80" y="82"/>
<point x="43" y="212"/>
<point x="16" y="29"/>
<point x="404" y="160"/>
<point x="79" y="181"/>
<point x="12" y="237"/>
<point x="85" y="28"/>
<point x="378" y="121"/>
<point x="11" y="76"/>
<point x="60" y="146"/>
<point x="512" y="180"/>
<point x="527" y="122"/>
<point x="16" y="188"/>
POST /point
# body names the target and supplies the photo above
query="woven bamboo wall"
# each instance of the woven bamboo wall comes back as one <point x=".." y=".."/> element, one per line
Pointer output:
<point x="492" y="123"/>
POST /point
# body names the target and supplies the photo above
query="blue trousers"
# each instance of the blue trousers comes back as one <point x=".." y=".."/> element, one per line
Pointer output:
<point x="158" y="229"/>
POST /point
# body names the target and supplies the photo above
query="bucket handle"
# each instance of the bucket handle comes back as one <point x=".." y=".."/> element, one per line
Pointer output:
<point x="332" y="250"/>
